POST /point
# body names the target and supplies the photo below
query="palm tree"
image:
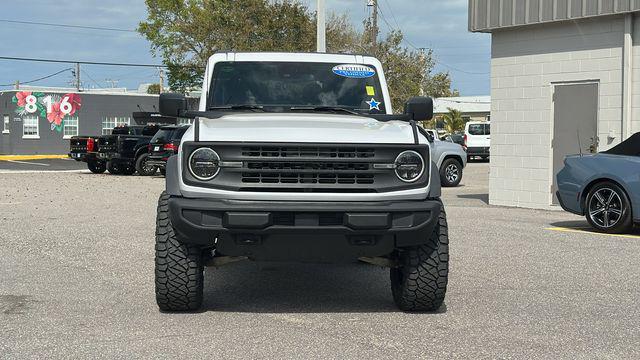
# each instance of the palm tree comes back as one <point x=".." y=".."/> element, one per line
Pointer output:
<point x="453" y="121"/>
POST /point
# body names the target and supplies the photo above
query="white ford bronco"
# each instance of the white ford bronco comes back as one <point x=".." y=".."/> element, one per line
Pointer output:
<point x="299" y="158"/>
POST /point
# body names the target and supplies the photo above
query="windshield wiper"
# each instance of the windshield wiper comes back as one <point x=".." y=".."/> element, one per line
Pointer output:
<point x="325" y="109"/>
<point x="237" y="107"/>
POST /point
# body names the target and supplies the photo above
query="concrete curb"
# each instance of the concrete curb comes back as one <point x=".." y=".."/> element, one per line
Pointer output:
<point x="32" y="157"/>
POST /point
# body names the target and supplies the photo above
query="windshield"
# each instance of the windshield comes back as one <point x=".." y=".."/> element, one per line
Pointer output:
<point x="288" y="84"/>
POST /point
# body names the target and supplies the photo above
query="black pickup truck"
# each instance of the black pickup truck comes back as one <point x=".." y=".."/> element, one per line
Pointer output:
<point x="164" y="144"/>
<point x="124" y="147"/>
<point x="84" y="148"/>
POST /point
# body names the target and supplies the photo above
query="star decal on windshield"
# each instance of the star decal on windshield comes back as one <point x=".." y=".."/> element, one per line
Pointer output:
<point x="373" y="104"/>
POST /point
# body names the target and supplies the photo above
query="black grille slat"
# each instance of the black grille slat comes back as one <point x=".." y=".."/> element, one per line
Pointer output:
<point x="308" y="165"/>
<point x="307" y="152"/>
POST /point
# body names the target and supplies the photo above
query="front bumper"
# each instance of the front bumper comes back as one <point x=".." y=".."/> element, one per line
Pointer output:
<point x="303" y="231"/>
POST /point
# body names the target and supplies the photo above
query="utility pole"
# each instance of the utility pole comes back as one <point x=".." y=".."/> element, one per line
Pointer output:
<point x="374" y="22"/>
<point x="424" y="74"/>
<point x="78" y="77"/>
<point x="161" y="73"/>
<point x="322" y="27"/>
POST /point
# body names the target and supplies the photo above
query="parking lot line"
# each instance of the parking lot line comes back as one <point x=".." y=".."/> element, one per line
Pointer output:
<point x="27" y="162"/>
<point x="584" y="231"/>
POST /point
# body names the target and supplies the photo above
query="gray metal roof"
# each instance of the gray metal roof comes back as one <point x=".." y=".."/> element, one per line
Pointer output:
<point x="489" y="15"/>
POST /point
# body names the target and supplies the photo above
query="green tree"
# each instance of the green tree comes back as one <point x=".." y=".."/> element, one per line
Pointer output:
<point x="453" y="121"/>
<point x="187" y="32"/>
<point x="153" y="89"/>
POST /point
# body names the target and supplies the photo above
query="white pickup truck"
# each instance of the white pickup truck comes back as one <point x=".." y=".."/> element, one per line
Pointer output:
<point x="298" y="157"/>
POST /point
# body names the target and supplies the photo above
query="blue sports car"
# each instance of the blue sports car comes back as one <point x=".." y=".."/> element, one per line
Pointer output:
<point x="604" y="187"/>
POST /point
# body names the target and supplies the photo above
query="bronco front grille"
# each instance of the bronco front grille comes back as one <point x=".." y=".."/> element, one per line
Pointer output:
<point x="307" y="165"/>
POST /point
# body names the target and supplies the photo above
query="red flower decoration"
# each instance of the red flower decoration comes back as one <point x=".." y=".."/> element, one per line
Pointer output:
<point x="22" y="97"/>
<point x="76" y="102"/>
<point x="55" y="116"/>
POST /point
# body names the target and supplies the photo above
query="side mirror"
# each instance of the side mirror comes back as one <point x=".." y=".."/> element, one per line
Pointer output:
<point x="172" y="104"/>
<point x="419" y="108"/>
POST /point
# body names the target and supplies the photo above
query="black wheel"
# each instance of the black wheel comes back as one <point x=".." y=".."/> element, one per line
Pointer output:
<point x="97" y="167"/>
<point x="128" y="169"/>
<point x="450" y="172"/>
<point x="163" y="171"/>
<point x="608" y="208"/>
<point x="143" y="168"/>
<point x="179" y="267"/>
<point x="114" y="168"/>
<point x="419" y="283"/>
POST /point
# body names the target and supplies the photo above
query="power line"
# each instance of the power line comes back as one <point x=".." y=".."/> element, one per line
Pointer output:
<point x="420" y="49"/>
<point x="42" y="78"/>
<point x="79" y="62"/>
<point x="67" y="25"/>
<point x="92" y="79"/>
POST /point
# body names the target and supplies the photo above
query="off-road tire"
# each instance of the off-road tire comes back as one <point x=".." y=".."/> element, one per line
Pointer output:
<point x="419" y="283"/>
<point x="624" y="223"/>
<point x="142" y="168"/>
<point x="114" y="169"/>
<point x="97" y="167"/>
<point x="447" y="179"/>
<point x="178" y="267"/>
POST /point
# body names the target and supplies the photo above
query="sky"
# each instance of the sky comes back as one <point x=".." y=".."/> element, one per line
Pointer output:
<point x="437" y="24"/>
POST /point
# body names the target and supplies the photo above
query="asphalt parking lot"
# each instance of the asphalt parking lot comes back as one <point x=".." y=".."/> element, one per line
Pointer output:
<point x="76" y="280"/>
<point x="12" y="166"/>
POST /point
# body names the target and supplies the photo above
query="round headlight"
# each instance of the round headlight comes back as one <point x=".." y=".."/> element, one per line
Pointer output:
<point x="409" y="166"/>
<point x="204" y="164"/>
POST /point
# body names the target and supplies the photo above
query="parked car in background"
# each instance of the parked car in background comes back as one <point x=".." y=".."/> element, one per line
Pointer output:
<point x="603" y="187"/>
<point x="455" y="138"/>
<point x="123" y="148"/>
<point x="477" y="139"/>
<point x="83" y="148"/>
<point x="449" y="157"/>
<point x="164" y="144"/>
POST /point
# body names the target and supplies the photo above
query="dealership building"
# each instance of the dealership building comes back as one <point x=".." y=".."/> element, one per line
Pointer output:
<point x="37" y="120"/>
<point x="565" y="78"/>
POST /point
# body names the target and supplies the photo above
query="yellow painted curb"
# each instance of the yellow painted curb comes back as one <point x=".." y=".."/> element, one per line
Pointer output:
<point x="562" y="229"/>
<point x="31" y="157"/>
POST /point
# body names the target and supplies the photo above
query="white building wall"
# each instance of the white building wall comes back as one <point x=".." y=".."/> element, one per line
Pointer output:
<point x="526" y="62"/>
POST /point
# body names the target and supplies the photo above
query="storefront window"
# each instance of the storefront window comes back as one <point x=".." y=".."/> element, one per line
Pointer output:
<point x="30" y="128"/>
<point x="70" y="127"/>
<point x="108" y="123"/>
<point x="5" y="129"/>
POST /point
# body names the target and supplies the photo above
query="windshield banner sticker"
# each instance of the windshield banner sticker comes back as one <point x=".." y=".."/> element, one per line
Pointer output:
<point x="373" y="104"/>
<point x="354" y="71"/>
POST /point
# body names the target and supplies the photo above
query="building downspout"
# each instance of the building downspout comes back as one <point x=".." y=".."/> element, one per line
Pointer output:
<point x="627" y="77"/>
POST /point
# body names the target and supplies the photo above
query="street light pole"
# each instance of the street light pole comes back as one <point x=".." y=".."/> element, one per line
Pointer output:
<point x="322" y="27"/>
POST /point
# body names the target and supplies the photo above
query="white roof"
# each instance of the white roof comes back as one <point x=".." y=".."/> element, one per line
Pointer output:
<point x="465" y="104"/>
